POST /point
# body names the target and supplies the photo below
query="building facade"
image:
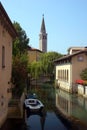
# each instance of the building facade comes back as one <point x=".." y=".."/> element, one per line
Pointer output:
<point x="43" y="37"/>
<point x="34" y="54"/>
<point x="68" y="69"/>
<point x="7" y="34"/>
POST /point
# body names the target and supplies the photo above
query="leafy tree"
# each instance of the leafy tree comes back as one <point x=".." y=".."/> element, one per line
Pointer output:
<point x="36" y="69"/>
<point x="84" y="74"/>
<point x="21" y="42"/>
<point x="47" y="62"/>
<point x="19" y="73"/>
<point x="20" y="60"/>
<point x="45" y="65"/>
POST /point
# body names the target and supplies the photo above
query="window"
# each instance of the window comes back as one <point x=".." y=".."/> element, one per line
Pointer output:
<point x="67" y="75"/>
<point x="80" y="58"/>
<point x="44" y="37"/>
<point x="3" y="57"/>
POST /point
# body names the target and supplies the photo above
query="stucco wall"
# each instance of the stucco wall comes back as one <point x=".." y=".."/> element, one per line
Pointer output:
<point x="5" y="72"/>
<point x="34" y="55"/>
<point x="78" y="66"/>
<point x="65" y="84"/>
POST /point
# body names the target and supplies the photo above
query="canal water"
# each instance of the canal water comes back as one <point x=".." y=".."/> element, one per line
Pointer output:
<point x="72" y="106"/>
<point x="44" y="121"/>
<point x="62" y="111"/>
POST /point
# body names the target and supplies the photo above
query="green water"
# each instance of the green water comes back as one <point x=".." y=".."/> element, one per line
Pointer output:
<point x="72" y="105"/>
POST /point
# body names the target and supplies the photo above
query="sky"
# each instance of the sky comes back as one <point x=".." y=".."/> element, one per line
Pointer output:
<point x="65" y="21"/>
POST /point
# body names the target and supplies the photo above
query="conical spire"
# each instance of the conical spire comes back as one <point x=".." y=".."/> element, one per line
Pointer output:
<point x="43" y="30"/>
<point x="43" y="37"/>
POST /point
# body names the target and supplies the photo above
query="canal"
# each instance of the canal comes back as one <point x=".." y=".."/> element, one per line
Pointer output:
<point x="62" y="111"/>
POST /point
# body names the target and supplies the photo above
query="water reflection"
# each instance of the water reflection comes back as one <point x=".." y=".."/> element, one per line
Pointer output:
<point x="44" y="121"/>
<point x="71" y="105"/>
<point x="35" y="120"/>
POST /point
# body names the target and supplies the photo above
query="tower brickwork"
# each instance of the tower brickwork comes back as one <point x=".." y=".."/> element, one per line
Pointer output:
<point x="43" y="37"/>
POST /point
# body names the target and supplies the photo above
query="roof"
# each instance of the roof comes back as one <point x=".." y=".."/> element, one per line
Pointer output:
<point x="33" y="49"/>
<point x="6" y="22"/>
<point x="71" y="55"/>
<point x="76" y="48"/>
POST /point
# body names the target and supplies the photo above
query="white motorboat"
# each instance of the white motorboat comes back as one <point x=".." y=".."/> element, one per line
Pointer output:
<point x="33" y="104"/>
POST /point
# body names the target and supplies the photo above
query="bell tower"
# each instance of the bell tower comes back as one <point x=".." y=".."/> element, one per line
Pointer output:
<point x="43" y="37"/>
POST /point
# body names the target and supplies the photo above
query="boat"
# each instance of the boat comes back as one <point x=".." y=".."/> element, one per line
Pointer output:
<point x="28" y="96"/>
<point x="33" y="104"/>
